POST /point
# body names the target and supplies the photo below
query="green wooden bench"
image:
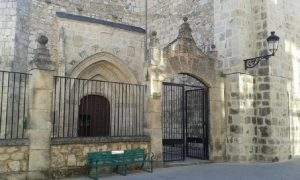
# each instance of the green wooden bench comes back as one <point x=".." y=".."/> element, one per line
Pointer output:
<point x="139" y="157"/>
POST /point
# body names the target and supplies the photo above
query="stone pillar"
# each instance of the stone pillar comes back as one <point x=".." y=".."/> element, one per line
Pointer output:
<point x="153" y="116"/>
<point x="41" y="90"/>
<point x="154" y="100"/>
<point x="242" y="142"/>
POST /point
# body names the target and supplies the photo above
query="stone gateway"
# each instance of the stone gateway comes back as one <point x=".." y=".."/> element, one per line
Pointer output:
<point x="168" y="76"/>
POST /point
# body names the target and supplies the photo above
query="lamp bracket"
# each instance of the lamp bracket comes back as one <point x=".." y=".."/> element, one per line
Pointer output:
<point x="252" y="62"/>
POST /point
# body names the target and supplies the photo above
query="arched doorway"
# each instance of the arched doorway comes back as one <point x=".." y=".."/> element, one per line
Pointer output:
<point x="94" y="116"/>
<point x="184" y="118"/>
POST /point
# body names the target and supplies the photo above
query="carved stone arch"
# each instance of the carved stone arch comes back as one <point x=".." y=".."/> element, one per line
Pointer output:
<point x="103" y="66"/>
<point x="207" y="81"/>
<point x="182" y="56"/>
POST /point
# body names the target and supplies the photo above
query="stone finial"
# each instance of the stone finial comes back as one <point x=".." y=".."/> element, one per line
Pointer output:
<point x="185" y="19"/>
<point x="154" y="41"/>
<point x="154" y="49"/>
<point x="42" y="58"/>
<point x="42" y="40"/>
<point x="213" y="47"/>
<point x="185" y="30"/>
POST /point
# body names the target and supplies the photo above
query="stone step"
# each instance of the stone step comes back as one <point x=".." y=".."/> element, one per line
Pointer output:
<point x="188" y="162"/>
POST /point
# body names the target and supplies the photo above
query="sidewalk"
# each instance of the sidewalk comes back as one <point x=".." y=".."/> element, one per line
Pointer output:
<point x="219" y="171"/>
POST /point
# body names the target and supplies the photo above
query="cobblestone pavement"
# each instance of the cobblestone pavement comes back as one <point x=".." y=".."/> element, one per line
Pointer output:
<point x="218" y="171"/>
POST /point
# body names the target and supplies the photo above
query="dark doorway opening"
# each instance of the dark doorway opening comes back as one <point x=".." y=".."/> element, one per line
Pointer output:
<point x="94" y="116"/>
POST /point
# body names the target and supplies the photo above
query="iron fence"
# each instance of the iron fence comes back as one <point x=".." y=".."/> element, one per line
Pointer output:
<point x="13" y="104"/>
<point x="184" y="121"/>
<point x="93" y="108"/>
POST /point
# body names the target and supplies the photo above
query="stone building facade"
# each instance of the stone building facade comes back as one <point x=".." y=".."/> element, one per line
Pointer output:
<point x="253" y="114"/>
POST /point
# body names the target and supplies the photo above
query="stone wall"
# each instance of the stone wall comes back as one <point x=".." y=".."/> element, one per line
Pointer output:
<point x="22" y="36"/>
<point x="71" y="154"/>
<point x="283" y="16"/>
<point x="273" y="79"/>
<point x="164" y="16"/>
<point x="291" y="62"/>
<point x="14" y="159"/>
<point x="43" y="16"/>
<point x="22" y="21"/>
<point x="233" y="21"/>
<point x="8" y="14"/>
<point x="258" y="118"/>
<point x="66" y="154"/>
<point x="242" y="141"/>
<point x="77" y="42"/>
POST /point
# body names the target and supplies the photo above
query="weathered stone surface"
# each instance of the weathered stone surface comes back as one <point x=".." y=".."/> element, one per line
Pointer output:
<point x="236" y="129"/>
<point x="264" y="111"/>
<point x="74" y="155"/>
<point x="4" y="157"/>
<point x="14" y="166"/>
<point x="265" y="131"/>
<point x="18" y="156"/>
<point x="71" y="160"/>
<point x="267" y="150"/>
<point x="13" y="159"/>
<point x="264" y="87"/>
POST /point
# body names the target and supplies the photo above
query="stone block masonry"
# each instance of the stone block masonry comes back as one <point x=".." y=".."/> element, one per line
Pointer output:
<point x="67" y="158"/>
<point x="164" y="16"/>
<point x="23" y="20"/>
<point x="241" y="133"/>
<point x="43" y="16"/>
<point x="14" y="159"/>
<point x="8" y="20"/>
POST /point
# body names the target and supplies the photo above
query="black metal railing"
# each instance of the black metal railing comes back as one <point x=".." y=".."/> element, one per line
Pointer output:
<point x="13" y="104"/>
<point x="184" y="121"/>
<point x="92" y="108"/>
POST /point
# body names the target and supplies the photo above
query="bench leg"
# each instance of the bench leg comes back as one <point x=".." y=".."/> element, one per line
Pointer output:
<point x="151" y="166"/>
<point x="95" y="175"/>
<point x="125" y="170"/>
<point x="142" y="166"/>
<point x="117" y="168"/>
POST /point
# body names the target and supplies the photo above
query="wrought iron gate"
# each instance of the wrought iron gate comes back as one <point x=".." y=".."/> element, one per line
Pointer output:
<point x="184" y="122"/>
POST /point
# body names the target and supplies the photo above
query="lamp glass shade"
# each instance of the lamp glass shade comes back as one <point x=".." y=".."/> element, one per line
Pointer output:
<point x="273" y="42"/>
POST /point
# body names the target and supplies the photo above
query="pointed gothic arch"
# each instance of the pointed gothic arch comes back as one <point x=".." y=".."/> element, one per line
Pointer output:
<point x="103" y="66"/>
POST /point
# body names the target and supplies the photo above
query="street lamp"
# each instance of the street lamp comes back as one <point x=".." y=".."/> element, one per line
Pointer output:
<point x="273" y="41"/>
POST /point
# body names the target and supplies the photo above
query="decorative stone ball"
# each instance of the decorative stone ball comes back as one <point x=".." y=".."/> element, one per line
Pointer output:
<point x="185" y="19"/>
<point x="43" y="40"/>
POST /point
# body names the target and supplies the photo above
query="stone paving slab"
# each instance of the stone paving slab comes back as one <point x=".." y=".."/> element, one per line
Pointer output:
<point x="218" y="171"/>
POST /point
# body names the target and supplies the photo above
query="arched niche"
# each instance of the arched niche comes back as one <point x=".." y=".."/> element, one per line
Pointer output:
<point x="103" y="66"/>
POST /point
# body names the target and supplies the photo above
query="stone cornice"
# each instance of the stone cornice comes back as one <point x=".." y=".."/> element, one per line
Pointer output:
<point x="95" y="140"/>
<point x="100" y="21"/>
<point x="14" y="142"/>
